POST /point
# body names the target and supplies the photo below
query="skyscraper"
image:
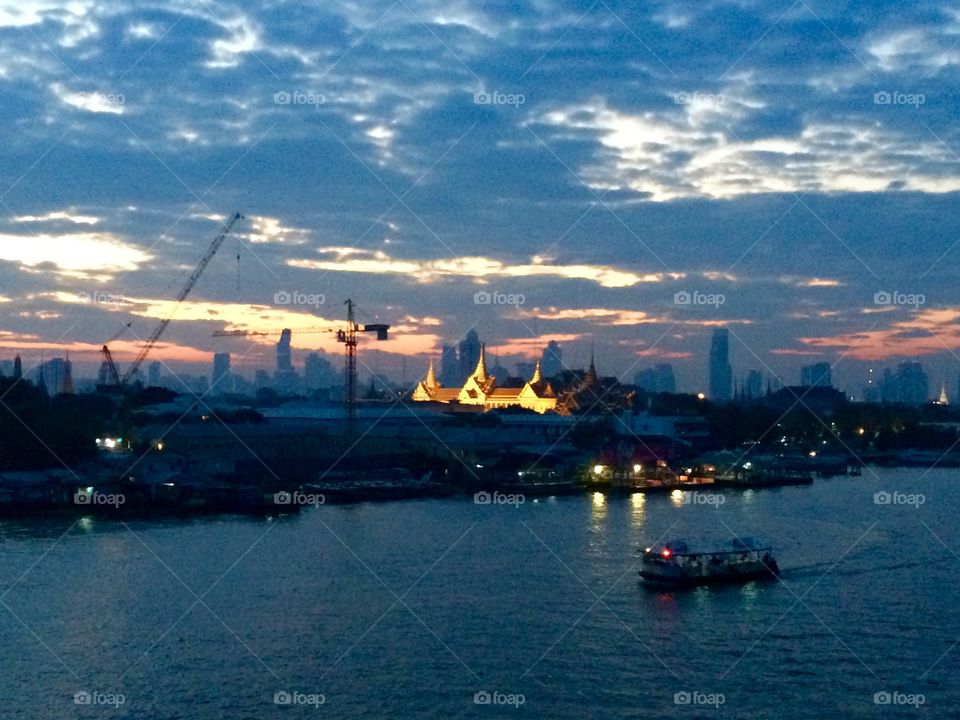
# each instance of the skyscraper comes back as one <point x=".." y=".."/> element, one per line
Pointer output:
<point x="753" y="386"/>
<point x="720" y="371"/>
<point x="286" y="377"/>
<point x="449" y="369"/>
<point x="816" y="375"/>
<point x="221" y="372"/>
<point x="657" y="379"/>
<point x="469" y="355"/>
<point x="551" y="364"/>
<point x="154" y="374"/>
<point x="17" y="368"/>
<point x="318" y="372"/>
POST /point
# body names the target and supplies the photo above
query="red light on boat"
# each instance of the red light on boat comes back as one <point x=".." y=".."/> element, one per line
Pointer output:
<point x="666" y="552"/>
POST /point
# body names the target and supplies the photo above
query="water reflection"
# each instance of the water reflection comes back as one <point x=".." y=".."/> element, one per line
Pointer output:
<point x="677" y="497"/>
<point x="599" y="506"/>
<point x="638" y="505"/>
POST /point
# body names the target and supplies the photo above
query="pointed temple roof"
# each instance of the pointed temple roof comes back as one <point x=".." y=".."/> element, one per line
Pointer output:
<point x="537" y="377"/>
<point x="431" y="380"/>
<point x="481" y="372"/>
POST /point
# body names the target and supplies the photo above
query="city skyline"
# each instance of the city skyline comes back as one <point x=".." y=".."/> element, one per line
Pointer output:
<point x="633" y="207"/>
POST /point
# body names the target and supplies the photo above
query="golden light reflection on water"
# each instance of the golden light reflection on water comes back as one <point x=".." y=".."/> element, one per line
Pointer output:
<point x="676" y="497"/>
<point x="599" y="506"/>
<point x="638" y="505"/>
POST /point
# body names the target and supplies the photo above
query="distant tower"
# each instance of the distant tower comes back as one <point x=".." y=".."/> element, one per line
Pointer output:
<point x="67" y="382"/>
<point x="944" y="400"/>
<point x="154" y="374"/>
<point x="720" y="371"/>
<point x="284" y="355"/>
<point x="449" y="368"/>
<point x="551" y="363"/>
<point x="469" y="355"/>
<point x="17" y="368"/>
<point x="221" y="370"/>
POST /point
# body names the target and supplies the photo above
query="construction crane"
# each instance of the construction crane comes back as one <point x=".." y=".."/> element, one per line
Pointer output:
<point x="148" y="345"/>
<point x="108" y="368"/>
<point x="346" y="335"/>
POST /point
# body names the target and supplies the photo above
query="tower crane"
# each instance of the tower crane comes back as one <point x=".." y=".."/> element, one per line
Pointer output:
<point x="151" y="341"/>
<point x="346" y="335"/>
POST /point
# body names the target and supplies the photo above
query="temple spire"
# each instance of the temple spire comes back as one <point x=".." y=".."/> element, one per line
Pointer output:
<point x="481" y="372"/>
<point x="537" y="377"/>
<point x="431" y="381"/>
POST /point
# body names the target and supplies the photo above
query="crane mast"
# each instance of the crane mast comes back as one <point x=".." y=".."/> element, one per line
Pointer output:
<point x="191" y="281"/>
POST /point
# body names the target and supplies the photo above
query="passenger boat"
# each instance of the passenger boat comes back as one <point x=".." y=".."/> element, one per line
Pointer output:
<point x="674" y="564"/>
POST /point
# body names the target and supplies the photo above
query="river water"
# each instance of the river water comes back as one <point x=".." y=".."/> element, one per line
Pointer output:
<point x="427" y="609"/>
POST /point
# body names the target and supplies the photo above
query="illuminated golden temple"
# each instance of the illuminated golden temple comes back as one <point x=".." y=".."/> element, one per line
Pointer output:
<point x="481" y="389"/>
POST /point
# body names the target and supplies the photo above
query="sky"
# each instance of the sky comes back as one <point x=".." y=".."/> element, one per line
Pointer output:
<point x="621" y="177"/>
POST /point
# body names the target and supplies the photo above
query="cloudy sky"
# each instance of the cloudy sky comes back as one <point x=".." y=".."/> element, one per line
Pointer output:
<point x="620" y="175"/>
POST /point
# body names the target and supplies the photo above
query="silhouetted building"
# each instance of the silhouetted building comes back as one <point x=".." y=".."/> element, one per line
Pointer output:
<point x="908" y="385"/>
<point x="469" y="355"/>
<point x="286" y="377"/>
<point x="551" y="363"/>
<point x="721" y="374"/>
<point x="658" y="379"/>
<point x="449" y="368"/>
<point x="17" y="368"/>
<point x="816" y="375"/>
<point x="55" y="376"/>
<point x="221" y="372"/>
<point x="753" y="385"/>
<point x="155" y="374"/>
<point x="318" y="372"/>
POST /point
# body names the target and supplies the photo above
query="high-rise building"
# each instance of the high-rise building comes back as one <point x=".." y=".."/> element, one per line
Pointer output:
<point x="908" y="385"/>
<point x="284" y="353"/>
<point x="469" y="355"/>
<point x="155" y="374"/>
<point x="551" y="363"/>
<point x="721" y="374"/>
<point x="816" y="375"/>
<point x="17" y="368"/>
<point x="753" y="385"/>
<point x="221" y="372"/>
<point x="658" y="379"/>
<point x="449" y="368"/>
<point x="318" y="372"/>
<point x="55" y="376"/>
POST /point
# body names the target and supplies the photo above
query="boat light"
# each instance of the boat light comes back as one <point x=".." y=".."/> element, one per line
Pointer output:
<point x="637" y="468"/>
<point x="666" y="552"/>
<point x="598" y="469"/>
